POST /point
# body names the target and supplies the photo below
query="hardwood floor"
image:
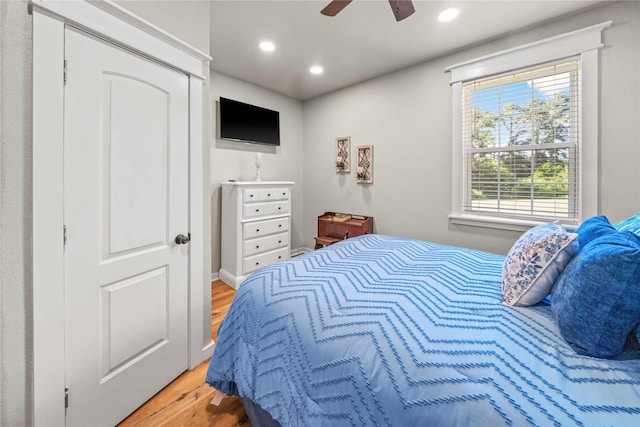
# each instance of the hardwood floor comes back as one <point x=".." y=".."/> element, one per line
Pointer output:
<point x="185" y="402"/>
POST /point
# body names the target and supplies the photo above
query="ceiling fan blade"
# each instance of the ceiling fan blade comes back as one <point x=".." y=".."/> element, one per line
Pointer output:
<point x="334" y="7"/>
<point x="401" y="8"/>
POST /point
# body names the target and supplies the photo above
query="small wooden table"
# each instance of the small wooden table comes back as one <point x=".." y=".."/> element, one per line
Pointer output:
<point x="333" y="227"/>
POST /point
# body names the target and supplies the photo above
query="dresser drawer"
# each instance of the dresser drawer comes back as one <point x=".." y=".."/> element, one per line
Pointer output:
<point x="265" y="194"/>
<point x="251" y="195"/>
<point x="254" y="210"/>
<point x="274" y="194"/>
<point x="264" y="244"/>
<point x="255" y="262"/>
<point x="254" y="229"/>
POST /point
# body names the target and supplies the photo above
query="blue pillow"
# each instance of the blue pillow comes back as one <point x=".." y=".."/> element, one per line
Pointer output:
<point x="534" y="263"/>
<point x="593" y="228"/>
<point x="631" y="224"/>
<point x="596" y="300"/>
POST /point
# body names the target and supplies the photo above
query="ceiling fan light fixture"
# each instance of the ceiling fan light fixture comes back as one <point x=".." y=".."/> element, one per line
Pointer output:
<point x="316" y="70"/>
<point x="267" y="46"/>
<point x="401" y="8"/>
<point x="448" y="14"/>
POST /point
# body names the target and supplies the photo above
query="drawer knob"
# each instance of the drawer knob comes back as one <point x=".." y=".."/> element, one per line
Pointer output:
<point x="257" y="230"/>
<point x="279" y="241"/>
<point x="279" y="207"/>
<point x="257" y="246"/>
<point x="257" y="263"/>
<point x="268" y="194"/>
<point x="257" y="210"/>
<point x="279" y="256"/>
<point x="279" y="225"/>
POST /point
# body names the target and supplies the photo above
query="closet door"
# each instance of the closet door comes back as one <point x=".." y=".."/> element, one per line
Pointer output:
<point x="126" y="200"/>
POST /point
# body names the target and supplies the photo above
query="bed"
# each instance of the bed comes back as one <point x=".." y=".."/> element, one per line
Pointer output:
<point x="387" y="331"/>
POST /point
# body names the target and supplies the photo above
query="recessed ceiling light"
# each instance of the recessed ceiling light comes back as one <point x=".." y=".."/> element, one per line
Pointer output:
<point x="267" y="46"/>
<point x="448" y="14"/>
<point x="316" y="69"/>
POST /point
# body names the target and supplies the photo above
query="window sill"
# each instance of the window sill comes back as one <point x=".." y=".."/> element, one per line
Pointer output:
<point x="500" y="223"/>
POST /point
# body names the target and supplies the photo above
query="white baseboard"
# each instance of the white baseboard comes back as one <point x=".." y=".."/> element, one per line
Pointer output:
<point x="230" y="279"/>
<point x="300" y="251"/>
<point x="207" y="351"/>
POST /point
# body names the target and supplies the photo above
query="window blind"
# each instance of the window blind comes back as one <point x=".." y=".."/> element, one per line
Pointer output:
<point x="521" y="143"/>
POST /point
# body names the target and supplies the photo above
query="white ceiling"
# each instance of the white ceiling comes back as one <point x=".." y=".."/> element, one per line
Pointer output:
<point x="361" y="42"/>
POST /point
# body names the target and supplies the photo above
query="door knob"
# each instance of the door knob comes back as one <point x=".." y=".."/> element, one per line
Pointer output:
<point x="181" y="239"/>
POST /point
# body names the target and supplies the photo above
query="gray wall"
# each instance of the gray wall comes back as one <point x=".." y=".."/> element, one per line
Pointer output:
<point x="233" y="160"/>
<point x="407" y="117"/>
<point x="188" y="20"/>
<point x="15" y="215"/>
<point x="16" y="341"/>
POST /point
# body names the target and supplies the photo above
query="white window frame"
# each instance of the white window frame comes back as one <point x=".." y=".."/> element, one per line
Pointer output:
<point x="584" y="42"/>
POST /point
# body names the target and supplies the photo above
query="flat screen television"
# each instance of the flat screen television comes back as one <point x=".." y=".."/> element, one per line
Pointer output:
<point x="248" y="123"/>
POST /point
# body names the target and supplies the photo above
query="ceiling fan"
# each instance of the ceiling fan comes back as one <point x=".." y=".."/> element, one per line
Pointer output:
<point x="401" y="8"/>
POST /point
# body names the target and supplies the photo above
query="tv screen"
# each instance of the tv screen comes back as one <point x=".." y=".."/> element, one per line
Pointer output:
<point x="248" y="123"/>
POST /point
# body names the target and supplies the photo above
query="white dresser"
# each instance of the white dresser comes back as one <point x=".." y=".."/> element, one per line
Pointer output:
<point x="256" y="222"/>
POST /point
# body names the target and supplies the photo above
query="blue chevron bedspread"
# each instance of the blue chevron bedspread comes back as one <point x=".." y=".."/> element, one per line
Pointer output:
<point x="386" y="331"/>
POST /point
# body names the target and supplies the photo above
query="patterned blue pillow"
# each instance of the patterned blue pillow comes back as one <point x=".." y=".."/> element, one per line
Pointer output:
<point x="596" y="300"/>
<point x="534" y="262"/>
<point x="631" y="224"/>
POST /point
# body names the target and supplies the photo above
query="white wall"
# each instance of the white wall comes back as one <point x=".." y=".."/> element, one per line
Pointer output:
<point x="233" y="160"/>
<point x="407" y="117"/>
<point x="16" y="341"/>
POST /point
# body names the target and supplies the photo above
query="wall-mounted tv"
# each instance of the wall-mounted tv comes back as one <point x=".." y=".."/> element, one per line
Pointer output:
<point x="248" y="123"/>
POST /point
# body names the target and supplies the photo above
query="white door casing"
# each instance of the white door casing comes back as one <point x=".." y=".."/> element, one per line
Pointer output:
<point x="126" y="197"/>
<point x="108" y="21"/>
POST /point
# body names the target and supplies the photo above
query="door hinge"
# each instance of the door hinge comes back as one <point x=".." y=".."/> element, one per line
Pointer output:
<point x="64" y="72"/>
<point x="66" y="397"/>
<point x="64" y="235"/>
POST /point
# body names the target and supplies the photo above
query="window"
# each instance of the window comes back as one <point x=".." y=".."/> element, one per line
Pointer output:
<point x="525" y="133"/>
<point x="521" y="142"/>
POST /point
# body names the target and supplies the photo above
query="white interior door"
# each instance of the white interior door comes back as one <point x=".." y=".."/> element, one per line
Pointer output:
<point x="126" y="199"/>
